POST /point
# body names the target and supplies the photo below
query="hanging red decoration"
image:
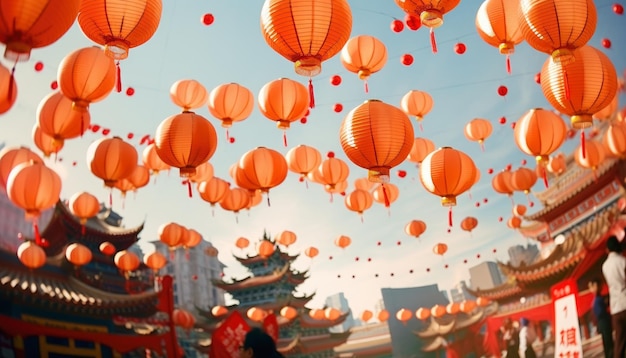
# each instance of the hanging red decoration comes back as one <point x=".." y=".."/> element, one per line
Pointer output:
<point x="208" y="19"/>
<point x="606" y="43"/>
<point x="335" y="80"/>
<point x="618" y="9"/>
<point x="38" y="66"/>
<point x="460" y="48"/>
<point x="503" y="90"/>
<point x="406" y="59"/>
<point x="338" y="107"/>
<point x="397" y="26"/>
<point x="412" y="22"/>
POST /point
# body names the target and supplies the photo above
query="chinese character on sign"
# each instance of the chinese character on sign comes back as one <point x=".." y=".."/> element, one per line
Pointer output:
<point x="567" y="326"/>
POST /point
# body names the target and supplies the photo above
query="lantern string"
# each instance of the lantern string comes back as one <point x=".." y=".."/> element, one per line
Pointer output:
<point x="449" y="218"/>
<point x="361" y="218"/>
<point x="566" y="85"/>
<point x="433" y="41"/>
<point x="583" y="147"/>
<point x="82" y="123"/>
<point x="387" y="203"/>
<point x="595" y="174"/>
<point x="11" y="82"/>
<point x="311" y="94"/>
<point x="421" y="127"/>
<point x="236" y="218"/>
<point x="544" y="174"/>
<point x="187" y="254"/>
<point x="213" y="210"/>
<point x="482" y="145"/>
<point x="508" y="64"/>
<point x="189" y="188"/>
<point x="306" y="183"/>
<point x="118" y="71"/>
<point x="285" y="138"/>
<point x="331" y="197"/>
<point x="268" y="199"/>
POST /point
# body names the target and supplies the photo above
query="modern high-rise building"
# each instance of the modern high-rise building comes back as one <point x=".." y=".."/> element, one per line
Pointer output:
<point x="339" y="301"/>
<point x="459" y="293"/>
<point x="485" y="275"/>
<point x="523" y="255"/>
<point x="403" y="341"/>
<point x="193" y="271"/>
<point x="13" y="223"/>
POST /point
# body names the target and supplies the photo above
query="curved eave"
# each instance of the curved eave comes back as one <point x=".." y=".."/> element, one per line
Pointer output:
<point x="533" y="229"/>
<point x="252" y="281"/>
<point x="286" y="345"/>
<point x="307" y="321"/>
<point x="437" y="328"/>
<point x="434" y="344"/>
<point x="557" y="195"/>
<point x="249" y="260"/>
<point x="504" y="291"/>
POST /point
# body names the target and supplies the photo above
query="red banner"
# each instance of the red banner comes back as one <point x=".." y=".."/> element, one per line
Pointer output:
<point x="270" y="325"/>
<point x="229" y="336"/>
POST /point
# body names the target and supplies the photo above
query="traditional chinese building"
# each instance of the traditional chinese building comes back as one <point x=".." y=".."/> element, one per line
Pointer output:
<point x="93" y="311"/>
<point x="581" y="209"/>
<point x="271" y="285"/>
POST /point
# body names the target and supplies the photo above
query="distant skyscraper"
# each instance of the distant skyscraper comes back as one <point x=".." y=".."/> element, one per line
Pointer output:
<point x="459" y="293"/>
<point x="340" y="302"/>
<point x="403" y="340"/>
<point x="519" y="254"/>
<point x="13" y="222"/>
<point x="485" y="275"/>
<point x="193" y="271"/>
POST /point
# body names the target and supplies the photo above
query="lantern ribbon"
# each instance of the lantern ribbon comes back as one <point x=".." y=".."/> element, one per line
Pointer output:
<point x="268" y="199"/>
<point x="508" y="64"/>
<point x="544" y="174"/>
<point x="449" y="217"/>
<point x="421" y="127"/>
<point x="227" y="135"/>
<point x="367" y="89"/>
<point x="285" y="138"/>
<point x="387" y="203"/>
<point x="583" y="146"/>
<point x="311" y="94"/>
<point x="82" y="230"/>
<point x="111" y="197"/>
<point x="11" y="82"/>
<point x="189" y="188"/>
<point x="119" y="77"/>
<point x="433" y="41"/>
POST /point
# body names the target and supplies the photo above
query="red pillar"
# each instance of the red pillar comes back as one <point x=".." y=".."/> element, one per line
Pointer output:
<point x="166" y="304"/>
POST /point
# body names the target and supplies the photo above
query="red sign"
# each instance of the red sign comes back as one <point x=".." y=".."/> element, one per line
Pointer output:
<point x="270" y="325"/>
<point x="229" y="336"/>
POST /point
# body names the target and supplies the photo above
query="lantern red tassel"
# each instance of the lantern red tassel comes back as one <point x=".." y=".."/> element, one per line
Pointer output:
<point x="508" y="64"/>
<point x="119" y="77"/>
<point x="189" y="188"/>
<point x="11" y="82"/>
<point x="544" y="174"/>
<point x="433" y="41"/>
<point x="311" y="94"/>
<point x="583" y="146"/>
<point x="387" y="203"/>
<point x="450" y="217"/>
<point x="36" y="231"/>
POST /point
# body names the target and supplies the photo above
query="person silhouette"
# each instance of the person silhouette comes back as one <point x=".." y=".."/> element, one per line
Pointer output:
<point x="258" y="344"/>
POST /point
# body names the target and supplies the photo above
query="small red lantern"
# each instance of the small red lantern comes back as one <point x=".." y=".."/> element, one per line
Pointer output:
<point x="618" y="9"/>
<point x="460" y="48"/>
<point x="606" y="43"/>
<point x="397" y="26"/>
<point x="412" y="22"/>
<point x="335" y="80"/>
<point x="208" y="19"/>
<point x="406" y="59"/>
<point x="502" y="91"/>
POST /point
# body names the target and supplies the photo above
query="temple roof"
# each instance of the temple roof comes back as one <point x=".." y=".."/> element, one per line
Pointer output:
<point x="450" y="323"/>
<point x="576" y="182"/>
<point x="312" y="344"/>
<point x="248" y="260"/>
<point x="253" y="281"/>
<point x="50" y="286"/>
<point x="64" y="226"/>
<point x="434" y="344"/>
<point x="505" y="290"/>
<point x="369" y="340"/>
<point x="306" y="321"/>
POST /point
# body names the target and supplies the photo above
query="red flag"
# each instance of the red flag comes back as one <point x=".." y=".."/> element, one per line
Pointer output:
<point x="270" y="325"/>
<point x="229" y="336"/>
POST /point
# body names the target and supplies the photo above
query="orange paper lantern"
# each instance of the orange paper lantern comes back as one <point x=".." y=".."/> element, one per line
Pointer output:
<point x="152" y="161"/>
<point x="417" y="103"/>
<point x="242" y="242"/>
<point x="263" y="168"/>
<point x="45" y="143"/>
<point x="383" y="316"/>
<point x="266" y="248"/>
<point x="235" y="200"/>
<point x="422" y="313"/>
<point x="29" y="24"/>
<point x="126" y="261"/>
<point x="343" y="241"/>
<point x="86" y="76"/>
<point x="539" y="133"/>
<point x="359" y="200"/>
<point x="557" y="27"/>
<point x="33" y="187"/>
<point x="478" y="130"/>
<point x="469" y="223"/>
<point x="523" y="179"/>
<point x="107" y="248"/>
<point x="184" y="141"/>
<point x="582" y="87"/>
<point x="119" y="25"/>
<point x="8" y="86"/>
<point x="366" y="315"/>
<point x="438" y="311"/>
<point x="415" y="228"/>
<point x="430" y="13"/>
<point x="58" y="118"/>
<point x="404" y="315"/>
<point x="501" y="183"/>
<point x="364" y="55"/>
<point x="213" y="190"/>
<point x="557" y="164"/>
<point x="171" y="234"/>
<point x="283" y="101"/>
<point x="614" y="139"/>
<point x="440" y="249"/>
<point x="594" y="155"/>
<point x="332" y="171"/>
<point x="77" y="254"/>
<point x="303" y="159"/>
<point x="289" y="312"/>
<point x="31" y="255"/>
<point x="498" y="23"/>
<point x="111" y="159"/>
<point x="311" y="251"/>
<point x="84" y="206"/>
<point x="286" y="238"/>
<point x="231" y="102"/>
<point x="155" y="261"/>
<point x="12" y="156"/>
<point x="188" y="94"/>
<point x="306" y="32"/>
<point x="376" y="136"/>
<point x="447" y="173"/>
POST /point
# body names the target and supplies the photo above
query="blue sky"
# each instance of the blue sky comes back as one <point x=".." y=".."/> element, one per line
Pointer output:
<point x="232" y="49"/>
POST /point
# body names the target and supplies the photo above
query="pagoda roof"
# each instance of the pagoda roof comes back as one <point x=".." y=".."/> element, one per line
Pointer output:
<point x="253" y="281"/>
<point x="306" y="321"/>
<point x="313" y="344"/>
<point x="503" y="291"/>
<point x="248" y="260"/>
<point x="564" y="258"/>
<point x="50" y="286"/>
<point x="369" y="340"/>
<point x="64" y="225"/>
<point x="577" y="182"/>
<point x="434" y="344"/>
<point x="454" y="323"/>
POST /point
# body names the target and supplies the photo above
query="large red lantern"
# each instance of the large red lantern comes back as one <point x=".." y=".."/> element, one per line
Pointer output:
<point x="376" y="136"/>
